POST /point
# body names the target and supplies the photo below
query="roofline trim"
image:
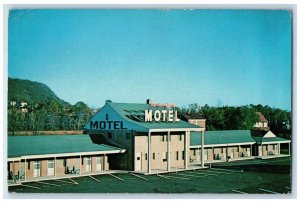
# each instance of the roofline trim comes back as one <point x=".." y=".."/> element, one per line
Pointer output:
<point x="176" y="129"/>
<point x="65" y="154"/>
<point x="220" y="145"/>
<point x="14" y="159"/>
<point x="276" y="142"/>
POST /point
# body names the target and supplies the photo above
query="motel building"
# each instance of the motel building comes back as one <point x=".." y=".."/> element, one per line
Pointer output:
<point x="147" y="138"/>
<point x="32" y="158"/>
<point x="154" y="137"/>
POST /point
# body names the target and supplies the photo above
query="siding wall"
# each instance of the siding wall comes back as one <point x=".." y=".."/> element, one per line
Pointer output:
<point x="60" y="169"/>
<point x="213" y="153"/>
<point x="159" y="146"/>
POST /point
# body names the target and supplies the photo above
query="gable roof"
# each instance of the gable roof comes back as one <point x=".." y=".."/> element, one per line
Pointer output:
<point x="55" y="144"/>
<point x="135" y="113"/>
<point x="263" y="140"/>
<point x="228" y="137"/>
<point x="222" y="137"/>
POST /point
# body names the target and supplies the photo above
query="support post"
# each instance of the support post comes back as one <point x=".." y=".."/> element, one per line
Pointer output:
<point x="185" y="151"/>
<point x="149" y="152"/>
<point x="202" y="148"/>
<point x="198" y="154"/>
<point x="278" y="148"/>
<point x="80" y="163"/>
<point x="104" y="162"/>
<point x="169" y="154"/>
<point x="25" y="169"/>
<point x="54" y="167"/>
<point x="19" y="172"/>
<point x="14" y="170"/>
<point x="227" y="153"/>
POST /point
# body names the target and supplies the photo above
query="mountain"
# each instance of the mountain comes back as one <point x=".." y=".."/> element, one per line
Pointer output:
<point x="31" y="92"/>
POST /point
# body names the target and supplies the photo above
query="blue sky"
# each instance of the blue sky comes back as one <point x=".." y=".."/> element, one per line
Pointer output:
<point x="215" y="57"/>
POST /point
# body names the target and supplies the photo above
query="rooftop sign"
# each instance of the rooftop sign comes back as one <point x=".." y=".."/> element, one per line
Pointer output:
<point x="161" y="115"/>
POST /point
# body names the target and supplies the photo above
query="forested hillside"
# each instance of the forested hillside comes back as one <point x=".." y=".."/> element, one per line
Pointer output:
<point x="30" y="92"/>
<point x="33" y="106"/>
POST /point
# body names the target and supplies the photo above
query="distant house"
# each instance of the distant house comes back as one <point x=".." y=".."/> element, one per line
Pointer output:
<point x="13" y="103"/>
<point x="23" y="107"/>
<point x="262" y="123"/>
<point x="194" y="118"/>
<point x="268" y="144"/>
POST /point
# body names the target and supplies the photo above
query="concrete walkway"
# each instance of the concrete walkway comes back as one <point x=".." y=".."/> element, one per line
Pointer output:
<point x="44" y="178"/>
<point x="172" y="170"/>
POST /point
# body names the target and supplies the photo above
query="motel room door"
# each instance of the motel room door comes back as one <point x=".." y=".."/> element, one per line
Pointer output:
<point x="205" y="154"/>
<point x="50" y="167"/>
<point x="88" y="167"/>
<point x="230" y="152"/>
<point x="37" y="169"/>
<point x="138" y="162"/>
<point x="259" y="150"/>
<point x="198" y="155"/>
<point x="98" y="164"/>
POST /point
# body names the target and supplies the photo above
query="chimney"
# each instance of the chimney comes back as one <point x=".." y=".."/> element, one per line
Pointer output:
<point x="149" y="101"/>
<point x="107" y="101"/>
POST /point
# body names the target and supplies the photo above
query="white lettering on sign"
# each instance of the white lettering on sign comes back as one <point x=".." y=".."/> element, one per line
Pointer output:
<point x="157" y="115"/>
<point x="163" y="115"/>
<point x="148" y="115"/>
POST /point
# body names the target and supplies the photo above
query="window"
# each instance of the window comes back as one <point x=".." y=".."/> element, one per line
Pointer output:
<point x="127" y="136"/>
<point x="50" y="163"/>
<point x="177" y="155"/>
<point x="153" y="156"/>
<point x="237" y="149"/>
<point x="98" y="160"/>
<point x="109" y="135"/>
<point x="182" y="155"/>
<point x="194" y="152"/>
<point x="146" y="156"/>
<point x="165" y="156"/>
<point x="64" y="162"/>
<point x="88" y="161"/>
<point x="180" y="137"/>
<point x="37" y="165"/>
<point x="273" y="147"/>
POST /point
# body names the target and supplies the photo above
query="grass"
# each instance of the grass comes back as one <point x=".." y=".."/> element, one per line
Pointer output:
<point x="258" y="177"/>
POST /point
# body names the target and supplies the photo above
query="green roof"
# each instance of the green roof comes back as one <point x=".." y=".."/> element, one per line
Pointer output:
<point x="54" y="144"/>
<point x="261" y="140"/>
<point x="221" y="137"/>
<point x="135" y="113"/>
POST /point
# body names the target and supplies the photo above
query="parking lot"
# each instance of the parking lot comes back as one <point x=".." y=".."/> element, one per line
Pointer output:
<point x="271" y="176"/>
